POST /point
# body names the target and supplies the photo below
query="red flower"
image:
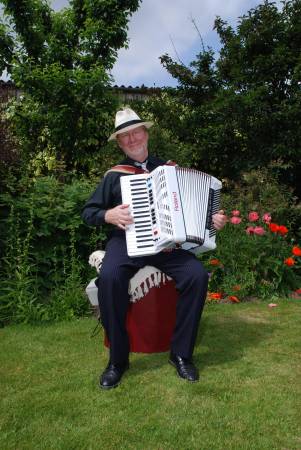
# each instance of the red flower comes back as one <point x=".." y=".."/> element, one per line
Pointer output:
<point x="253" y="216"/>
<point x="214" y="262"/>
<point x="296" y="251"/>
<point x="267" y="217"/>
<point x="235" y="212"/>
<point x="259" y="230"/>
<point x="235" y="220"/>
<point x="282" y="230"/>
<point x="215" y="295"/>
<point x="234" y="299"/>
<point x="289" y="261"/>
<point x="250" y="230"/>
<point x="273" y="227"/>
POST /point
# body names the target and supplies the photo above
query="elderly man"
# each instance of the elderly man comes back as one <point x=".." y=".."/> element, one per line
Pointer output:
<point x="105" y="206"/>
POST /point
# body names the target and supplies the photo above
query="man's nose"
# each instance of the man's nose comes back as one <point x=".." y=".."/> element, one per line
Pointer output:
<point x="131" y="137"/>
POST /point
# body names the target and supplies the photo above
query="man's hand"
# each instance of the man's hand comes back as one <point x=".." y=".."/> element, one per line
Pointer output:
<point x="219" y="220"/>
<point x="120" y="216"/>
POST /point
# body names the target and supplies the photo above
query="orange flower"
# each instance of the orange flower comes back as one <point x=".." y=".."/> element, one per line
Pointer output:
<point x="289" y="261"/>
<point x="215" y="295"/>
<point x="282" y="230"/>
<point x="296" y="251"/>
<point x="214" y="262"/>
<point x="234" y="299"/>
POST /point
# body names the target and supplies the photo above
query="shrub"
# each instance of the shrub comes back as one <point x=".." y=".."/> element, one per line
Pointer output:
<point x="254" y="257"/>
<point x="261" y="191"/>
<point x="45" y="250"/>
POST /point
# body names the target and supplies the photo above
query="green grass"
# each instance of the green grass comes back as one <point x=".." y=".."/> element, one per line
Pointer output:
<point x="248" y="397"/>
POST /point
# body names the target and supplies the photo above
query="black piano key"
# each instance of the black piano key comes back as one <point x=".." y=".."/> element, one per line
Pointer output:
<point x="145" y="240"/>
<point x="139" y="203"/>
<point x="147" y="228"/>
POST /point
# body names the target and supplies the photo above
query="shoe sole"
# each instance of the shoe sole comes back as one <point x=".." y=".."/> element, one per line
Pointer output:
<point x="181" y="378"/>
<point x="106" y="388"/>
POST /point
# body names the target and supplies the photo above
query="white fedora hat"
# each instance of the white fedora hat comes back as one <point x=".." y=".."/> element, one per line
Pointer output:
<point x="125" y="120"/>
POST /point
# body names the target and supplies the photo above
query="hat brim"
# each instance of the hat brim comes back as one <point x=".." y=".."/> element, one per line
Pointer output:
<point x="130" y="127"/>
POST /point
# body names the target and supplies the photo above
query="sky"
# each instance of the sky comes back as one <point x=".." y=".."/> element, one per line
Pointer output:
<point x="165" y="26"/>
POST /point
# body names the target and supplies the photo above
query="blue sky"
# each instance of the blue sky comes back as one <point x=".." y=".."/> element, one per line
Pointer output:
<point x="161" y="26"/>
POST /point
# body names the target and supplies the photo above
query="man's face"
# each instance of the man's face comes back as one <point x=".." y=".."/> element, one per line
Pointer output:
<point x="134" y="143"/>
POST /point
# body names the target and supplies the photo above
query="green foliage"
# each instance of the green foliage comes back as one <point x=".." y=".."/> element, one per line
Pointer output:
<point x="45" y="251"/>
<point x="260" y="190"/>
<point x="60" y="62"/>
<point x="242" y="110"/>
<point x="18" y="288"/>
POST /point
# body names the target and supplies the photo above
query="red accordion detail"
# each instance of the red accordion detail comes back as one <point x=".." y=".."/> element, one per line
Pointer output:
<point x="131" y="170"/>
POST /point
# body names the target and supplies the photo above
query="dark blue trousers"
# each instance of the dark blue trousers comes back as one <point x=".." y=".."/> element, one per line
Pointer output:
<point x="117" y="269"/>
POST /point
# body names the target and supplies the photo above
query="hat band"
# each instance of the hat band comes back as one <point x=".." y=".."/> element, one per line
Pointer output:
<point x="127" y="124"/>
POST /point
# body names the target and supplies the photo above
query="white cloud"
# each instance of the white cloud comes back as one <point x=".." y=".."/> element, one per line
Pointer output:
<point x="157" y="22"/>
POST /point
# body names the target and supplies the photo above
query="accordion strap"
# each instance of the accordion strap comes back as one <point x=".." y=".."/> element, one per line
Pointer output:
<point x="131" y="170"/>
<point x="170" y="163"/>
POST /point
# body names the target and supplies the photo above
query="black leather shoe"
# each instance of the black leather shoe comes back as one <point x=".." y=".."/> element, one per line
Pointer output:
<point x="185" y="368"/>
<point x="112" y="375"/>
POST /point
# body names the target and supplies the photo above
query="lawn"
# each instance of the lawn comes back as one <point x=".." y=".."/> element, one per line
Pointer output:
<point x="248" y="396"/>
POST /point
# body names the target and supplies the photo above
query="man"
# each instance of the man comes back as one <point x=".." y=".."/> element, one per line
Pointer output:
<point x="105" y="206"/>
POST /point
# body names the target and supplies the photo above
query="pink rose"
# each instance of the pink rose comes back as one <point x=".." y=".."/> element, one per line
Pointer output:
<point x="235" y="212"/>
<point x="250" y="230"/>
<point x="235" y="220"/>
<point x="259" y="230"/>
<point x="253" y="216"/>
<point x="267" y="218"/>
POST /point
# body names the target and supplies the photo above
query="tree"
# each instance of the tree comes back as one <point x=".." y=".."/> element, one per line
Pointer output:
<point x="243" y="108"/>
<point x="61" y="62"/>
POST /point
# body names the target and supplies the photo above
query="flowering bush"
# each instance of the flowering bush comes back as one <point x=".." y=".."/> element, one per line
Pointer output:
<point x="255" y="257"/>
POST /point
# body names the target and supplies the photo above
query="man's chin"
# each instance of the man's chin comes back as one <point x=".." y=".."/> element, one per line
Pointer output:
<point x="137" y="150"/>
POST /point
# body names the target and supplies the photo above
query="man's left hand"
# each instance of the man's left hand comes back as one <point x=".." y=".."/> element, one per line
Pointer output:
<point x="219" y="220"/>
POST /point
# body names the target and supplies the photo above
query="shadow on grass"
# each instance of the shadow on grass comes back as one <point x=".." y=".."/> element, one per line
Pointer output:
<point x="225" y="339"/>
<point x="220" y="340"/>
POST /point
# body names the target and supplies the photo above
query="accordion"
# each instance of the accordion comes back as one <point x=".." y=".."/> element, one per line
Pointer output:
<point x="171" y="205"/>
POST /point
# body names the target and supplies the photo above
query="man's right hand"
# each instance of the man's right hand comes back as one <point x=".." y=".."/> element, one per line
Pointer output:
<point x="119" y="216"/>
